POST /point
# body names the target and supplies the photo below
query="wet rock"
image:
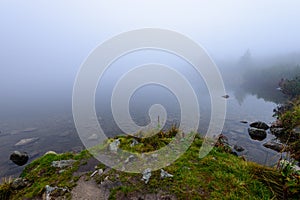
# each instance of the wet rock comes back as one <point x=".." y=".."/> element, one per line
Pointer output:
<point x="62" y="163"/>
<point x="19" y="183"/>
<point x="164" y="174"/>
<point x="238" y="148"/>
<point x="114" y="146"/>
<point x="225" y="96"/>
<point x="260" y="125"/>
<point x="19" y="158"/>
<point x="274" y="146"/>
<point x="277" y="131"/>
<point x="257" y="134"/>
<point x="26" y="141"/>
<point x="146" y="175"/>
<point x="244" y="122"/>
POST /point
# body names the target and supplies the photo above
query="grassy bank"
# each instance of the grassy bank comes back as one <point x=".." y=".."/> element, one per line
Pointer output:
<point x="220" y="175"/>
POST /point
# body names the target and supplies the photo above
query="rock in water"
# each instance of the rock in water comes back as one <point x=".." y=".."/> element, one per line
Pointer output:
<point x="260" y="125"/>
<point x="26" y="141"/>
<point x="274" y="146"/>
<point x="238" y="148"/>
<point x="257" y="134"/>
<point x="226" y="96"/>
<point x="19" y="158"/>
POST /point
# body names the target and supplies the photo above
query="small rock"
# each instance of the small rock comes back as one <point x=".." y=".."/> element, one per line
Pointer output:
<point x="114" y="146"/>
<point x="244" y="122"/>
<point x="100" y="171"/>
<point x="257" y="134"/>
<point x="54" y="192"/>
<point x="129" y="159"/>
<point x="238" y="148"/>
<point x="260" y="125"/>
<point x="19" y="158"/>
<point x="50" y="152"/>
<point x="19" y="183"/>
<point x="146" y="175"/>
<point x="26" y="141"/>
<point x="134" y="142"/>
<point x="164" y="174"/>
<point x="62" y="163"/>
<point x="277" y="131"/>
<point x="297" y="130"/>
<point x="274" y="145"/>
<point x="226" y="96"/>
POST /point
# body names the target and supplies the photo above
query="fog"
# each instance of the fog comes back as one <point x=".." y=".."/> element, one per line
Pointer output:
<point x="43" y="44"/>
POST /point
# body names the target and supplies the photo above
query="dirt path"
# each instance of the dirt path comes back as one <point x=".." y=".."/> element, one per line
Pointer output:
<point x="88" y="190"/>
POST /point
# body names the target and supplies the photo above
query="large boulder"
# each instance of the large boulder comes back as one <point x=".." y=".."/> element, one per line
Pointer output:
<point x="257" y="134"/>
<point x="19" y="158"/>
<point x="260" y="125"/>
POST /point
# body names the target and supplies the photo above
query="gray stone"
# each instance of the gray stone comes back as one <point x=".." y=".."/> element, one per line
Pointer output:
<point x="146" y="175"/>
<point x="19" y="158"/>
<point x="134" y="142"/>
<point x="259" y="125"/>
<point x="62" y="163"/>
<point x="164" y="174"/>
<point x="19" y="183"/>
<point x="114" y="146"/>
<point x="257" y="134"/>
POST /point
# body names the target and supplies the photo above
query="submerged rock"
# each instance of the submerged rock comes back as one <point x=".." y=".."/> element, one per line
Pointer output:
<point x="260" y="125"/>
<point x="274" y="146"/>
<point x="257" y="134"/>
<point x="238" y="148"/>
<point x="19" y="158"/>
<point x="26" y="141"/>
<point x="146" y="175"/>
